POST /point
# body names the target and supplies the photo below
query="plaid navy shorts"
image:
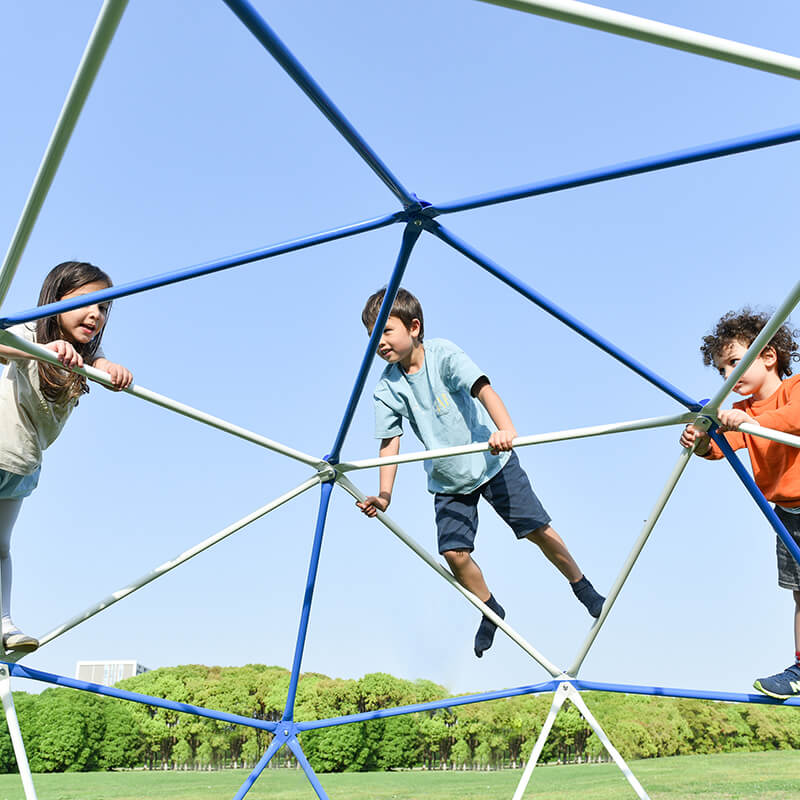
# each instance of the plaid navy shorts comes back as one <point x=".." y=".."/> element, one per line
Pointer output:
<point x="788" y="569"/>
<point x="509" y="493"/>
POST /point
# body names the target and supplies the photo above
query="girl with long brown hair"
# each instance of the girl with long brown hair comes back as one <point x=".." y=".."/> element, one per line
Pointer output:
<point x="36" y="398"/>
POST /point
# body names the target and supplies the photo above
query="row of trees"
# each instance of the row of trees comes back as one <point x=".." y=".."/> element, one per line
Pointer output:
<point x="68" y="730"/>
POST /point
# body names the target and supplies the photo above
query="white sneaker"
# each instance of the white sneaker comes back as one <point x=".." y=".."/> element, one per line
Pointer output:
<point x="15" y="639"/>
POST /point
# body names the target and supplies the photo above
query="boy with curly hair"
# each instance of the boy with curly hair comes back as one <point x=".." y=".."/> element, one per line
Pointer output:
<point x="772" y="399"/>
<point x="448" y="401"/>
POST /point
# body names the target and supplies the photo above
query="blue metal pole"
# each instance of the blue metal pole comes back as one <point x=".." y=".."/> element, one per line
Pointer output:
<point x="410" y="235"/>
<point x="757" y="495"/>
<point x="559" y="313"/>
<point x="449" y="702"/>
<point x="273" y="748"/>
<point x="626" y="169"/>
<point x="698" y="694"/>
<point x="294" y="746"/>
<point x="268" y="38"/>
<point x="324" y="500"/>
<point x="209" y="267"/>
<point x="19" y="671"/>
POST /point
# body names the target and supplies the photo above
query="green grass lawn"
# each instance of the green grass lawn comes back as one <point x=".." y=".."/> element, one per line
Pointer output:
<point x="765" y="776"/>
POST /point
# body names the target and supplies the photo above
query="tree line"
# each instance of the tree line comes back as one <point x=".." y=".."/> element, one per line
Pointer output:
<point x="67" y="730"/>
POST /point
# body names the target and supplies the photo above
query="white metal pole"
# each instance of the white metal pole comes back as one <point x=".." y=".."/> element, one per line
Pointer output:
<point x="16" y="733"/>
<point x="101" y="36"/>
<point x="558" y="700"/>
<point x="647" y="30"/>
<point x="103" y="378"/>
<point x="566" y="691"/>
<point x="522" y="441"/>
<point x="170" y="565"/>
<point x="433" y="564"/>
<point x="649" y="524"/>
<point x="769" y="433"/>
<point x="574" y="696"/>
<point x="759" y="343"/>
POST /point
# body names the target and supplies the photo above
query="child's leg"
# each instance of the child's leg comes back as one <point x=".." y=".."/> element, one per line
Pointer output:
<point x="467" y="572"/>
<point x="786" y="684"/>
<point x="456" y="526"/>
<point x="552" y="545"/>
<point x="469" y="575"/>
<point x="511" y="495"/>
<point x="9" y="510"/>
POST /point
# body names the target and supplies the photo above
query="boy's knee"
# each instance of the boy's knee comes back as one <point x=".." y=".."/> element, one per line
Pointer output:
<point x="537" y="535"/>
<point x="456" y="558"/>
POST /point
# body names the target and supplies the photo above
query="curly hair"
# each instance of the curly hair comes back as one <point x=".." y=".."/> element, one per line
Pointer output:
<point x="744" y="326"/>
<point x="406" y="307"/>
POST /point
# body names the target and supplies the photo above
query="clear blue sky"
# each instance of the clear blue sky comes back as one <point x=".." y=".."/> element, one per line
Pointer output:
<point x="195" y="145"/>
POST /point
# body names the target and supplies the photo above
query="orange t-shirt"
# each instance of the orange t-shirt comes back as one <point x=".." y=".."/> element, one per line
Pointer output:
<point x="776" y="466"/>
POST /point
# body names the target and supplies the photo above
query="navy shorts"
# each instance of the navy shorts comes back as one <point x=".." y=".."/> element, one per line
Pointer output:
<point x="788" y="569"/>
<point x="509" y="493"/>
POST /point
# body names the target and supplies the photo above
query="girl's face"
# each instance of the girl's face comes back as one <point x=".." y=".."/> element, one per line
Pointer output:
<point x="81" y="325"/>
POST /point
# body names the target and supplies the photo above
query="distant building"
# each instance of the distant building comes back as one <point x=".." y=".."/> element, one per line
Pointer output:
<point x="107" y="673"/>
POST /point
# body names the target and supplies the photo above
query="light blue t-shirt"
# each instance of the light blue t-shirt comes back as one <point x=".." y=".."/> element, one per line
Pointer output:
<point x="437" y="402"/>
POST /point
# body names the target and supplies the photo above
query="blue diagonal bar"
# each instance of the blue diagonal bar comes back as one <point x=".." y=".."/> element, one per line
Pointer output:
<point x="410" y="235"/>
<point x="273" y="748"/>
<point x="258" y="26"/>
<point x="626" y="169"/>
<point x="19" y="671"/>
<point x="207" y="268"/>
<point x="559" y="313"/>
<point x="316" y="548"/>
<point x="757" y="495"/>
<point x="433" y="705"/>
<point x="294" y="746"/>
<point x="697" y="694"/>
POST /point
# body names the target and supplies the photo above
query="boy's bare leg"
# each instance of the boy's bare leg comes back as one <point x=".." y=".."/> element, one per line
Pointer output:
<point x="796" y="621"/>
<point x="552" y="545"/>
<point x="467" y="572"/>
<point x="469" y="575"/>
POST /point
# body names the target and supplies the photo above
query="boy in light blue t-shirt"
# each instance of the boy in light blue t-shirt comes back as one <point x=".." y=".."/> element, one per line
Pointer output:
<point x="448" y="401"/>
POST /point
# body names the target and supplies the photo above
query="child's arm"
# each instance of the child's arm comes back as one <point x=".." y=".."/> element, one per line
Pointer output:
<point x="372" y="505"/>
<point x="505" y="434"/>
<point x="64" y="351"/>
<point x="121" y="377"/>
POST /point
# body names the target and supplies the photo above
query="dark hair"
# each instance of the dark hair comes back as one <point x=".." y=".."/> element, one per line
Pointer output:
<point x="744" y="326"/>
<point x="57" y="384"/>
<point x="406" y="308"/>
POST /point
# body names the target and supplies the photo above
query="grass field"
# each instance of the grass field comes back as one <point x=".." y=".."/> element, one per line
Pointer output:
<point x="764" y="776"/>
